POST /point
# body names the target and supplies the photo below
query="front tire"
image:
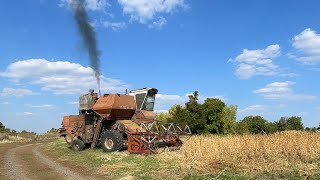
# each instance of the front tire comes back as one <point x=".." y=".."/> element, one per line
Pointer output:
<point x="77" y="145"/>
<point x="111" y="140"/>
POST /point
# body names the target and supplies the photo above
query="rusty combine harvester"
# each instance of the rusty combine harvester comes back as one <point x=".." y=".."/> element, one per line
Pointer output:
<point x="121" y="121"/>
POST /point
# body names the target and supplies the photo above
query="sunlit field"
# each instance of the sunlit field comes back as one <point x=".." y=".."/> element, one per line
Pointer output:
<point x="283" y="151"/>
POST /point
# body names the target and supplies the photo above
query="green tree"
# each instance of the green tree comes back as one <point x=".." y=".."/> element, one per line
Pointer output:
<point x="162" y="117"/>
<point x="271" y="127"/>
<point x="242" y="128"/>
<point x="2" y="126"/>
<point x="212" y="113"/>
<point x="229" y="119"/>
<point x="178" y="114"/>
<point x="282" y="124"/>
<point x="194" y="111"/>
<point x="194" y="107"/>
<point x="257" y="124"/>
<point x="295" y="123"/>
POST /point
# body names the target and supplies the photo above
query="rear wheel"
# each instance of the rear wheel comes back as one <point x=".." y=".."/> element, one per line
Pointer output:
<point x="111" y="140"/>
<point x="77" y="145"/>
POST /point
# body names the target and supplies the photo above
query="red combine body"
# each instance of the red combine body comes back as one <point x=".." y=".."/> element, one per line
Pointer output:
<point x="120" y="121"/>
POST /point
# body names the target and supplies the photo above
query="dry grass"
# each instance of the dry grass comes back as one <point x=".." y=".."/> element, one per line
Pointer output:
<point x="252" y="153"/>
<point x="6" y="138"/>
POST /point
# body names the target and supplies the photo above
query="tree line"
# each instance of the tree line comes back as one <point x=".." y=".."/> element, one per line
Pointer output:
<point x="12" y="132"/>
<point x="213" y="116"/>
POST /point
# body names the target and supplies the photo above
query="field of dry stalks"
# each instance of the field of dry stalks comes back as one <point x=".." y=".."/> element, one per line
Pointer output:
<point x="252" y="153"/>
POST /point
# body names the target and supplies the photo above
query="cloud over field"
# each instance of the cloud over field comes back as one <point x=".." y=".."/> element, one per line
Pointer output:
<point x="58" y="77"/>
<point x="281" y="90"/>
<point x="307" y="44"/>
<point x="257" y="62"/>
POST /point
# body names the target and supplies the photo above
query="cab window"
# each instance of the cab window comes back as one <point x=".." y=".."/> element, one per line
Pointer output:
<point x="148" y="105"/>
<point x="139" y="100"/>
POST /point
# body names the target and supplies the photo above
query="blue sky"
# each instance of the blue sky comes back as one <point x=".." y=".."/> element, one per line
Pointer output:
<point x="263" y="56"/>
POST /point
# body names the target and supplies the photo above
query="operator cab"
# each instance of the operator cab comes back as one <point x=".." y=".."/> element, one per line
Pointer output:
<point x="144" y="98"/>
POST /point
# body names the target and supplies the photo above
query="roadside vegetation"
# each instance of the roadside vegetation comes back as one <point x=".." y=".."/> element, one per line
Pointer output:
<point x="10" y="136"/>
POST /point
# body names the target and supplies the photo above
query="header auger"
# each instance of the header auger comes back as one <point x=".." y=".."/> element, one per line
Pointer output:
<point x="121" y="121"/>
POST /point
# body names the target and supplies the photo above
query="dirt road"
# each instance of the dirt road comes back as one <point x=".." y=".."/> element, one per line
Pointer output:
<point x="28" y="162"/>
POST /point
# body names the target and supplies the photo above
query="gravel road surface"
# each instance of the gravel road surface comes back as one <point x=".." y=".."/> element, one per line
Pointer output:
<point x="27" y="162"/>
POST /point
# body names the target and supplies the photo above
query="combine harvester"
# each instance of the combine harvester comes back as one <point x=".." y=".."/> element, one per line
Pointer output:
<point x="121" y="121"/>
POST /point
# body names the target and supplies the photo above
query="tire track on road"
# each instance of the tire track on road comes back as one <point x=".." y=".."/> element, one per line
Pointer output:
<point x="21" y="160"/>
<point x="12" y="167"/>
<point x="61" y="170"/>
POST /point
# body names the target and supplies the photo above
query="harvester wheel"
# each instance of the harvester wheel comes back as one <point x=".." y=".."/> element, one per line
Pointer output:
<point x="111" y="140"/>
<point x="77" y="145"/>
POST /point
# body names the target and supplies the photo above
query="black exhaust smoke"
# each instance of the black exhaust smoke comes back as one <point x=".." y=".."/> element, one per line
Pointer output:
<point x="88" y="36"/>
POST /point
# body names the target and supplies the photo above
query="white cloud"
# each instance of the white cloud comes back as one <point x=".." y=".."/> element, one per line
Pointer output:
<point x="255" y="110"/>
<point x="96" y="4"/>
<point x="42" y="106"/>
<point x="307" y="43"/>
<point x="26" y="114"/>
<point x="314" y="69"/>
<point x="5" y="103"/>
<point x="158" y="24"/>
<point x="267" y="111"/>
<point x="290" y="75"/>
<point x="169" y="98"/>
<point x="161" y="111"/>
<point x="116" y="26"/>
<point x="16" y="92"/>
<point x="301" y="114"/>
<point x="281" y="90"/>
<point x="146" y="10"/>
<point x="92" y="5"/>
<point x="73" y="103"/>
<point x="150" y="12"/>
<point x="257" y="62"/>
<point x="165" y="101"/>
<point x="59" y="77"/>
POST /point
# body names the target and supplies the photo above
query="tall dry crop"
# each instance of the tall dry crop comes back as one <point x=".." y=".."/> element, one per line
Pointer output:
<point x="279" y="151"/>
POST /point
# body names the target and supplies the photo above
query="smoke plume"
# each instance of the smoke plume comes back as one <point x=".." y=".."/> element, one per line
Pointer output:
<point x="88" y="36"/>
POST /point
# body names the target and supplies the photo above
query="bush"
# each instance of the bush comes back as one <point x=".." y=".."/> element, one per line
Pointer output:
<point x="4" y="136"/>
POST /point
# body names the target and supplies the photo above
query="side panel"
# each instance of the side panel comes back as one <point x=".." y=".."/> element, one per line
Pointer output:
<point x="144" y="117"/>
<point x="79" y="126"/>
<point x="117" y="106"/>
<point x="137" y="146"/>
